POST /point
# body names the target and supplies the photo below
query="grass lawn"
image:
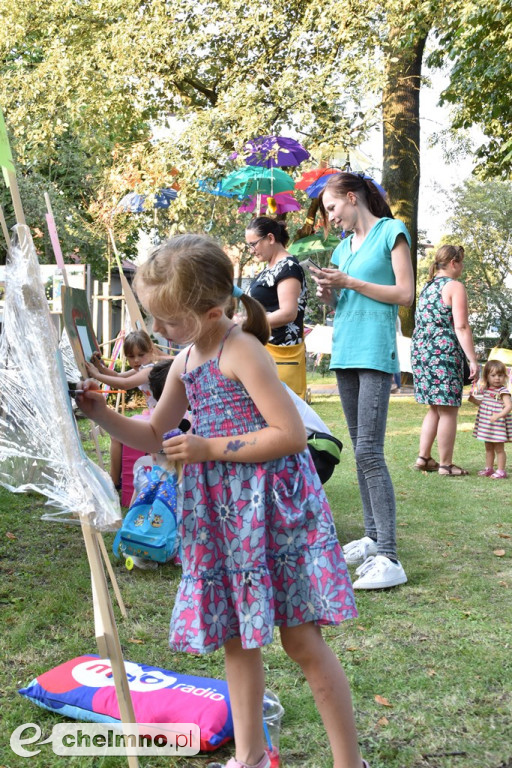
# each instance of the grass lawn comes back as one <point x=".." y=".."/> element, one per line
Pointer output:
<point x="429" y="663"/>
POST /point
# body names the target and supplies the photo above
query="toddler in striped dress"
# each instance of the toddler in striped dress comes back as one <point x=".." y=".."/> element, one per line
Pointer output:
<point x="494" y="418"/>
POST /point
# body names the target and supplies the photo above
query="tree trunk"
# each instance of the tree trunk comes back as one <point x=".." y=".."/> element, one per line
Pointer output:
<point x="401" y="137"/>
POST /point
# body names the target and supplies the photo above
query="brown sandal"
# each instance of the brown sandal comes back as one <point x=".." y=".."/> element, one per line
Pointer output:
<point x="429" y="464"/>
<point x="449" y="470"/>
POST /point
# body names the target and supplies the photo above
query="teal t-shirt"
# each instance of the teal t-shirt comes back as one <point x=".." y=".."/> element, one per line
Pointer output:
<point x="364" y="333"/>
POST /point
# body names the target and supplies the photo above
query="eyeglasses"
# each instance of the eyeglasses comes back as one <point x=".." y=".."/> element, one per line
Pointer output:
<point x="252" y="246"/>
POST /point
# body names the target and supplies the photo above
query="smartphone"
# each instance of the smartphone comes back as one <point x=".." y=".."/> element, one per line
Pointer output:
<point x="309" y="263"/>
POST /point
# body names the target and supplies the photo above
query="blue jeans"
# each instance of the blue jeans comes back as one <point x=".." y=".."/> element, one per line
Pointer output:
<point x="365" y="398"/>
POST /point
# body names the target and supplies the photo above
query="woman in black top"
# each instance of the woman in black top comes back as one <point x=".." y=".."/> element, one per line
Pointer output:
<point x="281" y="289"/>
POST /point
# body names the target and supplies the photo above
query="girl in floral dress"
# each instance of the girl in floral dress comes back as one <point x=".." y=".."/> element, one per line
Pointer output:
<point x="494" y="418"/>
<point x="259" y="545"/>
<point x="441" y="339"/>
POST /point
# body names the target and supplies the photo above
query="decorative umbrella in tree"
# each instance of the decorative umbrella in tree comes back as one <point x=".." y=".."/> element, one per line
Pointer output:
<point x="309" y="177"/>
<point x="314" y="244"/>
<point x="280" y="203"/>
<point x="318" y="185"/>
<point x="273" y="151"/>
<point x="258" y="181"/>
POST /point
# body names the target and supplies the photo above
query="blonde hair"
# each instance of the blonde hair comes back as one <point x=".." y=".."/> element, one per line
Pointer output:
<point x="191" y="274"/>
<point x="137" y="341"/>
<point x="444" y="255"/>
<point x="489" y="367"/>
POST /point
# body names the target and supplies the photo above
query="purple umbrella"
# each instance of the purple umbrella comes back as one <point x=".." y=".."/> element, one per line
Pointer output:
<point x="273" y="151"/>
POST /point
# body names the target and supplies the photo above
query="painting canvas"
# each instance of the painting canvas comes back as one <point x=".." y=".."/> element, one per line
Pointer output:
<point x="78" y="324"/>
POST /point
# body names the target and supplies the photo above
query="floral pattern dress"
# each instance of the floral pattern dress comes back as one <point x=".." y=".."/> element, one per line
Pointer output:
<point x="259" y="545"/>
<point x="436" y="355"/>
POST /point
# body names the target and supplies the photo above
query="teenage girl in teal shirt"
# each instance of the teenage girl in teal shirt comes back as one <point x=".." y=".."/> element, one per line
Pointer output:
<point x="373" y="275"/>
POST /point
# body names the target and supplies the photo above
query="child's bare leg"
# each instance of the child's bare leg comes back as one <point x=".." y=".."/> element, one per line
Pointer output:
<point x="329" y="685"/>
<point x="501" y="456"/>
<point x="246" y="683"/>
<point x="116" y="457"/>
<point x="489" y="454"/>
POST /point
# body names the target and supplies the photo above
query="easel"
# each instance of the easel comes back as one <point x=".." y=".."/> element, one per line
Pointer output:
<point x="93" y="427"/>
<point x="107" y="638"/>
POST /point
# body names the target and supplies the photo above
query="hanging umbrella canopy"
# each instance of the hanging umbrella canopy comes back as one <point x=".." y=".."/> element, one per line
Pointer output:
<point x="285" y="202"/>
<point x="313" y="244"/>
<point x="164" y="198"/>
<point x="318" y="185"/>
<point x="309" y="177"/>
<point x="134" y="203"/>
<point x="273" y="151"/>
<point x="217" y="189"/>
<point x="253" y="180"/>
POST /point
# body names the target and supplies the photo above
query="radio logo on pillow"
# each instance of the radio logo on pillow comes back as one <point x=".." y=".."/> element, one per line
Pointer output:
<point x="97" y="673"/>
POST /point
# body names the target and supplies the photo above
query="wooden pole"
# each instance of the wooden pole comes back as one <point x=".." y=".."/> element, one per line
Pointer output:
<point x="107" y="637"/>
<point x="4" y="228"/>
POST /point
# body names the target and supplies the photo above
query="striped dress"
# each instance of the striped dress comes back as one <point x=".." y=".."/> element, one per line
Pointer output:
<point x="493" y="432"/>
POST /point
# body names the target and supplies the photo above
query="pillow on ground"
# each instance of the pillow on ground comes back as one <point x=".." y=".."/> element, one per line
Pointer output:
<point x="83" y="689"/>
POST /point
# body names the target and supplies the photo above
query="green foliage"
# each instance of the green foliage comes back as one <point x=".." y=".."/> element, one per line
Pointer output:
<point x="476" y="39"/>
<point x="105" y="97"/>
<point x="481" y="222"/>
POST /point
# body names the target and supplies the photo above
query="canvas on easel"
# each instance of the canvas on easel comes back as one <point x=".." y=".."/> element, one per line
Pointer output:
<point x="78" y="323"/>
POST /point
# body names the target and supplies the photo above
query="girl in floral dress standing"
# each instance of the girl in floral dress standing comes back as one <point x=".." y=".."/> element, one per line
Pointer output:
<point x="441" y="339"/>
<point x="259" y="544"/>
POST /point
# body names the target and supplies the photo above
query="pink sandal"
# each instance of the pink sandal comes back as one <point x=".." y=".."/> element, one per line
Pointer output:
<point x="487" y="472"/>
<point x="500" y="474"/>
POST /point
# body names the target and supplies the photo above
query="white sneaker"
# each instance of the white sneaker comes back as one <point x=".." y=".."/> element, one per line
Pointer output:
<point x="359" y="550"/>
<point x="379" y="573"/>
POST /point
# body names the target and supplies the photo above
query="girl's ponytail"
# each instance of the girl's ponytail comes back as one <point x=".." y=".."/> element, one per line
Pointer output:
<point x="256" y="321"/>
<point x="444" y="255"/>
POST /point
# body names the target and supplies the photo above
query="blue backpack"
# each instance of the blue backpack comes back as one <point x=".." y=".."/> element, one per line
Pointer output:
<point x="149" y="528"/>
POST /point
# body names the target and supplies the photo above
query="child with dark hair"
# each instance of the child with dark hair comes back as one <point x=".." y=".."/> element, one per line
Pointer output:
<point x="141" y="354"/>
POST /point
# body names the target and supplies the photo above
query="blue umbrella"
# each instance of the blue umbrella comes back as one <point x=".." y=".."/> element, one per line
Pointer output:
<point x="132" y="203"/>
<point x="317" y="186"/>
<point x="217" y="189"/>
<point x="164" y="198"/>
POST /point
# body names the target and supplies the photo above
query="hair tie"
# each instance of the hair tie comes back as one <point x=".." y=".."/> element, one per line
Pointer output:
<point x="237" y="292"/>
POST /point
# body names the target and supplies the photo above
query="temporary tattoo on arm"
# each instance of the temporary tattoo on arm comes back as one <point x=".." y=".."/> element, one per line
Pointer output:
<point x="235" y="445"/>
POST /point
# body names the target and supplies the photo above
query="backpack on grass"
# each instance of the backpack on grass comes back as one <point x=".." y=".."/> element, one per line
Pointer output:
<point x="149" y="528"/>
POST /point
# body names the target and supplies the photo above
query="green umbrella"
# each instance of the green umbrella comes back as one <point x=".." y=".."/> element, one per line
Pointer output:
<point x="253" y="180"/>
<point x="313" y="244"/>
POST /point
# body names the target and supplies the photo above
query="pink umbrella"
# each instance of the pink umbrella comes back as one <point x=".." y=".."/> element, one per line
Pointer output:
<point x="285" y="202"/>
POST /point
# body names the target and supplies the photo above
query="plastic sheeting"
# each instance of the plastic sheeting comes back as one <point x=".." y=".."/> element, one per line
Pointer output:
<point x="40" y="447"/>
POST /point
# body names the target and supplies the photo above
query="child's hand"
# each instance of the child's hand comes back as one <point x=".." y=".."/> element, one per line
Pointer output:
<point x="89" y="399"/>
<point x="187" y="448"/>
<point x="91" y="369"/>
<point x="98" y="363"/>
<point x="495" y="417"/>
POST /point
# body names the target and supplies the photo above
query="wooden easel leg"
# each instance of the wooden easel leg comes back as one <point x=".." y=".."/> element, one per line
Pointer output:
<point x="107" y="638"/>
<point x="111" y="575"/>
